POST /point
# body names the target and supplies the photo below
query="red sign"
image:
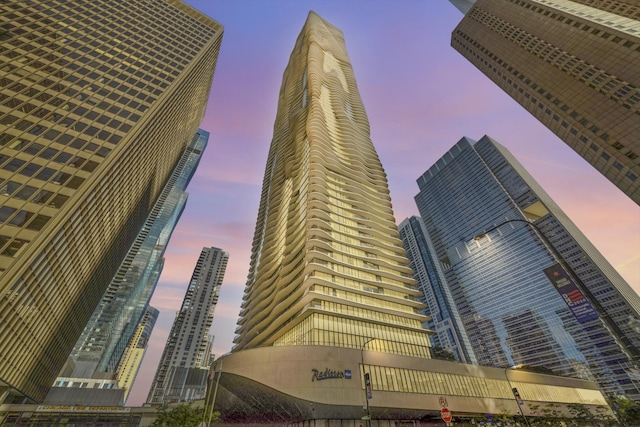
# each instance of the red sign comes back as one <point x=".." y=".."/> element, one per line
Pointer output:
<point x="445" y="413"/>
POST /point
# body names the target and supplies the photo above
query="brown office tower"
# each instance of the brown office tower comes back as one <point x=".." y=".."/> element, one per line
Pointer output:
<point x="574" y="65"/>
<point x="98" y="101"/>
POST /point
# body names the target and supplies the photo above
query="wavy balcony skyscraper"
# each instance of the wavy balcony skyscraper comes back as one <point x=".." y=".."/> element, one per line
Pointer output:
<point x="331" y="326"/>
<point x="327" y="267"/>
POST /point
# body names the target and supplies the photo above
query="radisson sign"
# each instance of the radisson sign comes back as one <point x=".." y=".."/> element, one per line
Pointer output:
<point x="329" y="374"/>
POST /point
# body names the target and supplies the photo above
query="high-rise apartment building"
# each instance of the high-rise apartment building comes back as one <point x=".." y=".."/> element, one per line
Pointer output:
<point x="529" y="287"/>
<point x="327" y="265"/>
<point x="330" y="326"/>
<point x="184" y="366"/>
<point x="440" y="308"/>
<point x="97" y="104"/>
<point x="574" y="65"/>
<point x="102" y="344"/>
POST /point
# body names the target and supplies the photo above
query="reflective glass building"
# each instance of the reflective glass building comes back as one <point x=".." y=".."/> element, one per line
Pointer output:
<point x="131" y="360"/>
<point x="529" y="286"/>
<point x="122" y="307"/>
<point x="98" y="101"/>
<point x="443" y="315"/>
<point x="573" y="64"/>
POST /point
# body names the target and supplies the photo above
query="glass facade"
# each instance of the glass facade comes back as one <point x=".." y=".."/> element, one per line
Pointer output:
<point x="123" y="305"/>
<point x="443" y="315"/>
<point x="132" y="358"/>
<point x="326" y="385"/>
<point x="494" y="231"/>
<point x="386" y="378"/>
<point x="98" y="101"/>
<point x="570" y="63"/>
<point x="327" y="264"/>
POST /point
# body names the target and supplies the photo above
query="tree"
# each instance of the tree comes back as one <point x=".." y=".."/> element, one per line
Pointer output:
<point x="580" y="412"/>
<point x="627" y="409"/>
<point x="182" y="415"/>
<point x="442" y="353"/>
<point x="551" y="415"/>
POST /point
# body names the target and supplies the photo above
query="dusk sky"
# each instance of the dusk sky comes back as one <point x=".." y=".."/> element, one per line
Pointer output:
<point x="421" y="97"/>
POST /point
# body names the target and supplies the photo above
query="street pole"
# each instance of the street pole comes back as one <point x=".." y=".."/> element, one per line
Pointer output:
<point x="366" y="395"/>
<point x="215" y="391"/>
<point x="516" y="397"/>
<point x="213" y="399"/>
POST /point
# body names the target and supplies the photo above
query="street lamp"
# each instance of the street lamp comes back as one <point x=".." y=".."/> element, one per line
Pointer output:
<point x="213" y="399"/>
<point x="366" y="384"/>
<point x="516" y="396"/>
<point x="623" y="342"/>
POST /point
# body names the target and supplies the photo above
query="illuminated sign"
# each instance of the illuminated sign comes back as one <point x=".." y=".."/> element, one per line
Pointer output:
<point x="578" y="304"/>
<point x="329" y="374"/>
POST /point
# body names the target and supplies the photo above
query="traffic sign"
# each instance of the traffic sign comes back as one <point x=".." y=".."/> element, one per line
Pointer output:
<point x="367" y="383"/>
<point x="443" y="402"/>
<point x="517" y="395"/>
<point x="445" y="413"/>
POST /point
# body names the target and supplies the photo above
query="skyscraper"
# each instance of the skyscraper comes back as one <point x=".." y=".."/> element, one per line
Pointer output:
<point x="97" y="104"/>
<point x="441" y="309"/>
<point x="134" y="353"/>
<point x="184" y="367"/>
<point x="116" y="318"/>
<point x="573" y="64"/>
<point x="80" y="385"/>
<point x="463" y="5"/>
<point x="327" y="265"/>
<point x="330" y="326"/>
<point x="529" y="286"/>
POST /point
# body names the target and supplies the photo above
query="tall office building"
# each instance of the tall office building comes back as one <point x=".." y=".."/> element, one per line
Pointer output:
<point x="184" y="366"/>
<point x="440" y="308"/>
<point x="574" y="65"/>
<point x="98" y="101"/>
<point x="327" y="265"/>
<point x="129" y="366"/>
<point x="99" y="349"/>
<point x="529" y="286"/>
<point x="81" y="386"/>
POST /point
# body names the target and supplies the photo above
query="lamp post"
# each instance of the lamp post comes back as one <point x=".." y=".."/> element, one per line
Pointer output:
<point x="624" y="343"/>
<point x="213" y="400"/>
<point x="366" y="386"/>
<point x="516" y="396"/>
